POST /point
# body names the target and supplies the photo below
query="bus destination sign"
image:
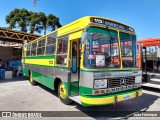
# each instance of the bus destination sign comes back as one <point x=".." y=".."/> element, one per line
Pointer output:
<point x="111" y="24"/>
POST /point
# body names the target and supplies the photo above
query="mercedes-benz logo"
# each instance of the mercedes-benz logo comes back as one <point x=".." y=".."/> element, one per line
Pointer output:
<point x="123" y="81"/>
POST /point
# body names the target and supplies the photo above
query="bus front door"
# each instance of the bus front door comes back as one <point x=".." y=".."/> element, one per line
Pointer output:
<point x="74" y="68"/>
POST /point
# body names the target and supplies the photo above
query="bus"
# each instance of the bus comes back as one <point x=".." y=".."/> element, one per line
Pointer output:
<point x="148" y="59"/>
<point x="91" y="61"/>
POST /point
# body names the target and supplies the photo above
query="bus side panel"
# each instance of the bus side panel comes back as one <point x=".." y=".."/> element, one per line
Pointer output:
<point x="25" y="72"/>
<point x="48" y="81"/>
<point x="43" y="79"/>
<point x="62" y="73"/>
<point x="86" y="82"/>
<point x="37" y="77"/>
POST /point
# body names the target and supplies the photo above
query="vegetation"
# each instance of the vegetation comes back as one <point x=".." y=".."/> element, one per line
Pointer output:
<point x="33" y="22"/>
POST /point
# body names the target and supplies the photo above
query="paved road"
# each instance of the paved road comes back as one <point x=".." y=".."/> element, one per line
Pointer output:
<point x="19" y="95"/>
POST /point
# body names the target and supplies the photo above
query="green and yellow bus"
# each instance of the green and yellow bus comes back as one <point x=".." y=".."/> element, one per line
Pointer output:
<point x="91" y="60"/>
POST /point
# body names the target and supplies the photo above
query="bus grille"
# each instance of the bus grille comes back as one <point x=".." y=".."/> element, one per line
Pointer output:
<point x="123" y="81"/>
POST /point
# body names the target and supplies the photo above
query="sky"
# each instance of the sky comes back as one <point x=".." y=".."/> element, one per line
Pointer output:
<point x="142" y="15"/>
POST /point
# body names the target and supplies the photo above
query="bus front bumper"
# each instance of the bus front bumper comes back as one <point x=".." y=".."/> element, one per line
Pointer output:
<point x="109" y="99"/>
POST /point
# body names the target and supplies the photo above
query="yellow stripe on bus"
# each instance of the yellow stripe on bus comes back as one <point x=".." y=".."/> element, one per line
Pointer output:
<point x="46" y="62"/>
<point x="97" y="101"/>
<point x="108" y="100"/>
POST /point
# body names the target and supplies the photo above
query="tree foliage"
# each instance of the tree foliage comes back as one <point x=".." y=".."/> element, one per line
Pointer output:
<point x="53" y="22"/>
<point x="32" y="22"/>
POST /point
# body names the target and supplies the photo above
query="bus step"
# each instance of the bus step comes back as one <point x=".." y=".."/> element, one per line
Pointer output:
<point x="76" y="99"/>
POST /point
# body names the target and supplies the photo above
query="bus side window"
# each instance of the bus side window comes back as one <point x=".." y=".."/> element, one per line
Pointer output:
<point x="62" y="50"/>
<point x="28" y="50"/>
<point x="33" y="49"/>
<point x="51" y="44"/>
<point x="41" y="47"/>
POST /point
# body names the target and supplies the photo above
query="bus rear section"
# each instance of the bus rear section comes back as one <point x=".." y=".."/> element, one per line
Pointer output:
<point x="149" y="61"/>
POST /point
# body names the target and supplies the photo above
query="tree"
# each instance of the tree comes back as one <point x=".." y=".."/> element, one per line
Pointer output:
<point x="35" y="25"/>
<point x="43" y="21"/>
<point x="53" y="22"/>
<point x="18" y="18"/>
<point x="34" y="22"/>
<point x="11" y="19"/>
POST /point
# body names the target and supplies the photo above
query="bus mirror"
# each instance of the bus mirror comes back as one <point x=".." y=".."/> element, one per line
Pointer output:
<point x="74" y="64"/>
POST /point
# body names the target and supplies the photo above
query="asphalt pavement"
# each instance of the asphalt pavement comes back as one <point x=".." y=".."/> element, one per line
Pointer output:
<point x="18" y="95"/>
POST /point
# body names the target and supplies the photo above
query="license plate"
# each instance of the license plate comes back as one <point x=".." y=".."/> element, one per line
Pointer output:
<point x="128" y="96"/>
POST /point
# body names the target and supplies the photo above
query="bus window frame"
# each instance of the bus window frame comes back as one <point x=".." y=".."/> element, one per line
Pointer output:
<point x="35" y="48"/>
<point x="44" y="38"/>
<point x="61" y="54"/>
<point x="54" y="44"/>
<point x="28" y="50"/>
<point x="119" y="46"/>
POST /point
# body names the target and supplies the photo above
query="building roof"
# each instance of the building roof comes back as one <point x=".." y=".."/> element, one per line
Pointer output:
<point x="16" y="36"/>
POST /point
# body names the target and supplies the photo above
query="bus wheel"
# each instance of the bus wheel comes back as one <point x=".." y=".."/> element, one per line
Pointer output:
<point x="62" y="93"/>
<point x="31" y="79"/>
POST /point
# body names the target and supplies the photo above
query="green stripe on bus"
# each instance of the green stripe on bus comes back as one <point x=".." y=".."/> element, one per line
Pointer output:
<point x="85" y="90"/>
<point x="40" y="57"/>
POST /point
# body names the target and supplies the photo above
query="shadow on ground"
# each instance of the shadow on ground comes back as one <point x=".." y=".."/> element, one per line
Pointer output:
<point x="124" y="109"/>
<point x="15" y="79"/>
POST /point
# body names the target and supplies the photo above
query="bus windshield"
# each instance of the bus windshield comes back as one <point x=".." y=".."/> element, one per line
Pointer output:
<point x="128" y="50"/>
<point x="101" y="48"/>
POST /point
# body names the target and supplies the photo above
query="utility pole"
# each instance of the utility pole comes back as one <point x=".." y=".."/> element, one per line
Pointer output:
<point x="34" y="5"/>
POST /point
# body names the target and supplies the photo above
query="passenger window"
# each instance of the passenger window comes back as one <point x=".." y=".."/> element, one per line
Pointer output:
<point x="41" y="47"/>
<point x="28" y="50"/>
<point x="51" y="45"/>
<point x="62" y="51"/>
<point x="33" y="49"/>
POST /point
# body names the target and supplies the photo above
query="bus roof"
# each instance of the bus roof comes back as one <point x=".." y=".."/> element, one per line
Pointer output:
<point x="149" y="42"/>
<point x="80" y="24"/>
<point x="83" y="22"/>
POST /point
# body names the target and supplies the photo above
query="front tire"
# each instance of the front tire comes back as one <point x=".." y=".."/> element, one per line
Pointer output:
<point x="33" y="82"/>
<point x="62" y="94"/>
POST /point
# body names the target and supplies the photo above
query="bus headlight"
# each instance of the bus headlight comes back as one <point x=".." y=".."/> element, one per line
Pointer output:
<point x="138" y="79"/>
<point x="100" y="84"/>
